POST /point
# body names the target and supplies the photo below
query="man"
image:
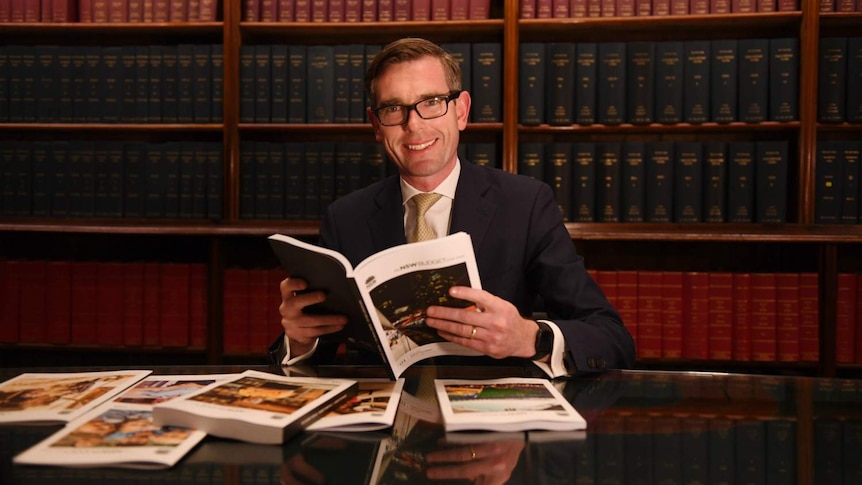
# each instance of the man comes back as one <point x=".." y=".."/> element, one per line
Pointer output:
<point x="523" y="249"/>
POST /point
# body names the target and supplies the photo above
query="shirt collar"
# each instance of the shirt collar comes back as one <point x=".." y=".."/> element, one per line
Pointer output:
<point x="446" y="188"/>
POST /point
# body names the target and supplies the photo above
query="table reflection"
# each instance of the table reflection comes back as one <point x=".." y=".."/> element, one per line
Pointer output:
<point x="643" y="428"/>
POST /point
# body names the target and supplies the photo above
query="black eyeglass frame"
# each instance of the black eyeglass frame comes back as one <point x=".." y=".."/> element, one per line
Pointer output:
<point x="453" y="95"/>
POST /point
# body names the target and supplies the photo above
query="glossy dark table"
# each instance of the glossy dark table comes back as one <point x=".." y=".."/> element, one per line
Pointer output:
<point x="661" y="428"/>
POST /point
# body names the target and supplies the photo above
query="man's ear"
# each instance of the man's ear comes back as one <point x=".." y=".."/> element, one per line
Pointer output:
<point x="374" y="124"/>
<point x="462" y="108"/>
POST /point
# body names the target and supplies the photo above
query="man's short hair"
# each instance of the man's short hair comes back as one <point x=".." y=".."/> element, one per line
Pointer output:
<point x="410" y="49"/>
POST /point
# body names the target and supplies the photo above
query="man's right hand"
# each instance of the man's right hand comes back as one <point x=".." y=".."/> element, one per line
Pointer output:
<point x="301" y="328"/>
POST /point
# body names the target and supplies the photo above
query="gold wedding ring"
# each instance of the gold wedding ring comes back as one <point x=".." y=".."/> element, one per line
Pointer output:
<point x="473" y="451"/>
<point x="473" y="334"/>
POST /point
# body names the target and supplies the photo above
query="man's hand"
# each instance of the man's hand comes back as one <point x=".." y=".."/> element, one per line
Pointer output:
<point x="494" y="327"/>
<point x="301" y="328"/>
<point x="486" y="463"/>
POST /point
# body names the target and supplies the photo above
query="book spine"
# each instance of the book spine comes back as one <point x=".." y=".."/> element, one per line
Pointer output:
<point x="611" y="80"/>
<point x="721" y="300"/>
<point x="715" y="182"/>
<point x="688" y="182"/>
<point x="724" y="82"/>
<point x="608" y="170"/>
<point x="771" y="186"/>
<point x="832" y="80"/>
<point x="341" y="84"/>
<point x="696" y="85"/>
<point x="740" y="190"/>
<point x="560" y="84"/>
<point x="109" y="304"/>
<point x="235" y="310"/>
<point x="784" y="79"/>
<point x="854" y="76"/>
<point x="531" y="85"/>
<point x="696" y="330"/>
<point x="763" y="317"/>
<point x="742" y="316"/>
<point x="641" y="82"/>
<point x="531" y="160"/>
<point x="633" y="180"/>
<point x="828" y="180"/>
<point x="84" y="303"/>
<point x="133" y="304"/>
<point x="672" y="314"/>
<point x="788" y="318"/>
<point x="649" y="315"/>
<point x="586" y="75"/>
<point x="487" y="82"/>
<point x="297" y="84"/>
<point x="669" y="77"/>
<point x="32" y="279"/>
<point x="278" y="83"/>
<point x="809" y="317"/>
<point x="845" y="319"/>
<point x="850" y="183"/>
<point x="320" y="84"/>
<point x="559" y="176"/>
<point x="627" y="301"/>
<point x="584" y="179"/>
<point x="659" y="182"/>
<point x="10" y="301"/>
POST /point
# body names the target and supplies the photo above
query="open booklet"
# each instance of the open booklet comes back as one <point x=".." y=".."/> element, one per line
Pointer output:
<point x="121" y="432"/>
<point x="372" y="408"/>
<point x="507" y="404"/>
<point x="257" y="407"/>
<point x="385" y="296"/>
<point x="60" y="397"/>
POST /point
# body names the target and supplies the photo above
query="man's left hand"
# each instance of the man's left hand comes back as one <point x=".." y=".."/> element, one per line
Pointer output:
<point x="494" y="327"/>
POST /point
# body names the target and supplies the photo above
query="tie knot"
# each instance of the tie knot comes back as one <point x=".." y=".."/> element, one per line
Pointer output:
<point x="422" y="231"/>
<point x="424" y="201"/>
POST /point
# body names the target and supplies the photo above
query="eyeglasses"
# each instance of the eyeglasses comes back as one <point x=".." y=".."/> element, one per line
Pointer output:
<point x="427" y="109"/>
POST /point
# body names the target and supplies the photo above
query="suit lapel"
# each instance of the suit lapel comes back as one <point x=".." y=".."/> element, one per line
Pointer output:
<point x="474" y="209"/>
<point x="387" y="224"/>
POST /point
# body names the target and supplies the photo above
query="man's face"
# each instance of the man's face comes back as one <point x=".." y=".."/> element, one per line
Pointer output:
<point x="423" y="150"/>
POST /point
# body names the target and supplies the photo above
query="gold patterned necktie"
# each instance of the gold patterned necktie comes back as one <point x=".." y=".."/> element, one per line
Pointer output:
<point x="421" y="230"/>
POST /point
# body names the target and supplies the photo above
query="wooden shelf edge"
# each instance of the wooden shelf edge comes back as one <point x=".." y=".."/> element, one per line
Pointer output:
<point x="658" y="128"/>
<point x="137" y="27"/>
<point x="663" y="20"/>
<point x="168" y="228"/>
<point x="694" y="232"/>
<point x="99" y="348"/>
<point x="715" y="232"/>
<point x="339" y="28"/>
<point x="142" y="127"/>
<point x="839" y="127"/>
<point x="342" y="127"/>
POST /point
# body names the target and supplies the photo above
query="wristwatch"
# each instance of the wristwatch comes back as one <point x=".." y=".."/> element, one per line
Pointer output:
<point x="544" y="341"/>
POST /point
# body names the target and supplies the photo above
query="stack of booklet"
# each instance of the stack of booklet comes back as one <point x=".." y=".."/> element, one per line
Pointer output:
<point x="130" y="418"/>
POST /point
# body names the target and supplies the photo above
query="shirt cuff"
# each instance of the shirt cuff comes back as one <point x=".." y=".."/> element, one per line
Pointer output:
<point x="290" y="361"/>
<point x="556" y="366"/>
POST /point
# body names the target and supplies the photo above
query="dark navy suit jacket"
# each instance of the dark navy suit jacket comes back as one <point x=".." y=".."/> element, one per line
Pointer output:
<point x="522" y="249"/>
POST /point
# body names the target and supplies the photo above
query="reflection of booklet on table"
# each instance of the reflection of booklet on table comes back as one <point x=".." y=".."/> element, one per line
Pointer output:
<point x="372" y="408"/>
<point x="386" y="295"/>
<point x="114" y="435"/>
<point x="122" y="433"/>
<point x="509" y="404"/>
<point x="257" y="407"/>
<point x="60" y="397"/>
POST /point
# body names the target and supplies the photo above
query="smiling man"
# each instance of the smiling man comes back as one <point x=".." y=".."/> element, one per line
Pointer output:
<point x="523" y="250"/>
